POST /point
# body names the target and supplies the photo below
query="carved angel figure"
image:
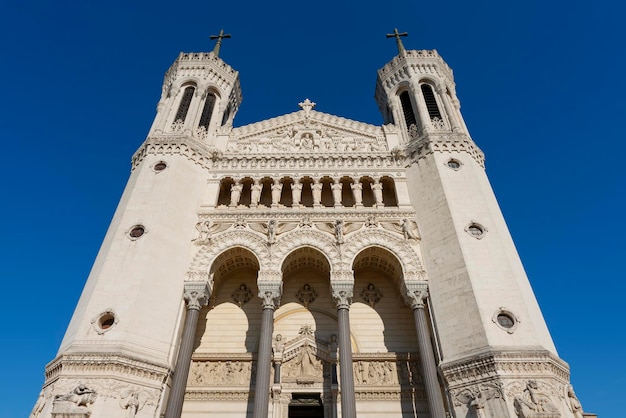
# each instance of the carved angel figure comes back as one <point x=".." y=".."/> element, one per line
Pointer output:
<point x="204" y="231"/>
<point x="574" y="403"/>
<point x="409" y="229"/>
<point x="131" y="405"/>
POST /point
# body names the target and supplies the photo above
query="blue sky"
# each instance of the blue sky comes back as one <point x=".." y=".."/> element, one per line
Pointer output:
<point x="542" y="90"/>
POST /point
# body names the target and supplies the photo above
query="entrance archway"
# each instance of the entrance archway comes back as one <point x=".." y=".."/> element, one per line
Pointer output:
<point x="306" y="405"/>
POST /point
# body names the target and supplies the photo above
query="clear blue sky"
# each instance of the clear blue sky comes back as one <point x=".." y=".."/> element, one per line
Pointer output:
<point x="542" y="90"/>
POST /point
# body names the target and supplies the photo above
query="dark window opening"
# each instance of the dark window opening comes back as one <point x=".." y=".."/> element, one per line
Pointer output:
<point x="431" y="102"/>
<point x="185" y="103"/>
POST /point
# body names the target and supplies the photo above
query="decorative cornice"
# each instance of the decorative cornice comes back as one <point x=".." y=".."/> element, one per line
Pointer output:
<point x="219" y="395"/>
<point x="430" y="143"/>
<point x="505" y="364"/>
<point x="105" y="364"/>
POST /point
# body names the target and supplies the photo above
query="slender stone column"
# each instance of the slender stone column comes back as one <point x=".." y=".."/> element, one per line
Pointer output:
<point x="416" y="296"/>
<point x="196" y="296"/>
<point x="420" y="104"/>
<point x="454" y="123"/>
<point x="269" y="292"/>
<point x="342" y="294"/>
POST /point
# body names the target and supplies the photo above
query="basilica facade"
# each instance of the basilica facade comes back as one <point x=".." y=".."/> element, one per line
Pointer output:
<point x="308" y="266"/>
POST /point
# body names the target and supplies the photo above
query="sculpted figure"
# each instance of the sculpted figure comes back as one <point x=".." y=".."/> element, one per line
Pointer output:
<point x="306" y="295"/>
<point x="336" y="188"/>
<point x="574" y="403"/>
<point x="377" y="188"/>
<point x="277" y="188"/>
<point x="307" y="361"/>
<point x="357" y="191"/>
<point x="296" y="193"/>
<point x="235" y="193"/>
<point x="533" y="400"/>
<point x="255" y="193"/>
<point x="271" y="231"/>
<point x="408" y="229"/>
<point x="316" y="189"/>
<point x="131" y="405"/>
<point x="204" y="231"/>
<point x="339" y="230"/>
<point x="81" y="395"/>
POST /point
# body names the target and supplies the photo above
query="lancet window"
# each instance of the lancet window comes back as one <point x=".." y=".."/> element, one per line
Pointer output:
<point x="431" y="102"/>
<point x="207" y="111"/>
<point x="185" y="103"/>
<point x="407" y="109"/>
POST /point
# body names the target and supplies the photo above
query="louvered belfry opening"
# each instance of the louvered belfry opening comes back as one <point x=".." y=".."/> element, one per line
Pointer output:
<point x="431" y="102"/>
<point x="407" y="109"/>
<point x="185" y="102"/>
<point x="209" y="104"/>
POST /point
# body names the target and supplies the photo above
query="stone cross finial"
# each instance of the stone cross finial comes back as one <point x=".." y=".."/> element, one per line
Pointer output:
<point x="397" y="35"/>
<point x="307" y="105"/>
<point x="216" y="50"/>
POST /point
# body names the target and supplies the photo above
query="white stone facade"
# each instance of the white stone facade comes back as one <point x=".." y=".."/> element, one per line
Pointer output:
<point x="301" y="219"/>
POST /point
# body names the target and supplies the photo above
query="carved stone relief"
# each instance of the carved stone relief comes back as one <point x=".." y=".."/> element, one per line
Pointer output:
<point x="221" y="373"/>
<point x="385" y="372"/>
<point x="533" y="399"/>
<point x="371" y="295"/>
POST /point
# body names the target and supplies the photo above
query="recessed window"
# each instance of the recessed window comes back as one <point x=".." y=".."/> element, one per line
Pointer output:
<point x="160" y="166"/>
<point x="454" y="164"/>
<point x="107" y="321"/>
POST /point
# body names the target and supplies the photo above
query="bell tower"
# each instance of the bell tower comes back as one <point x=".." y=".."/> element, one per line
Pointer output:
<point x="493" y="346"/>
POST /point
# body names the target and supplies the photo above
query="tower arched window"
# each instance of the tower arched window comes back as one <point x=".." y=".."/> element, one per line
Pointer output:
<point x="185" y="103"/>
<point x="407" y="109"/>
<point x="431" y="102"/>
<point x="207" y="112"/>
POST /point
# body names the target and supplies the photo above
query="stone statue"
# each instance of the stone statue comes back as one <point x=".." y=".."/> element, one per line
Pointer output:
<point x="336" y="189"/>
<point x="277" y="188"/>
<point x="255" y="193"/>
<point x="81" y="395"/>
<point x="408" y="229"/>
<point x="242" y="295"/>
<point x="339" y="230"/>
<point x="204" y="232"/>
<point x="307" y="362"/>
<point x="306" y="295"/>
<point x="533" y="401"/>
<point x="235" y="194"/>
<point x="296" y="193"/>
<point x="377" y="188"/>
<point x="272" y="226"/>
<point x="371" y="295"/>
<point x="357" y="191"/>
<point x="574" y="403"/>
<point x="316" y="189"/>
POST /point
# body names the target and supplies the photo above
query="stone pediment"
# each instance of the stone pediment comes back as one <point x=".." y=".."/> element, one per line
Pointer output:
<point x="305" y="132"/>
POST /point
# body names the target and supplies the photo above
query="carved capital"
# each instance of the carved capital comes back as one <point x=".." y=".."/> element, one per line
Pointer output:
<point x="197" y="294"/>
<point x="342" y="292"/>
<point x="270" y="293"/>
<point x="416" y="294"/>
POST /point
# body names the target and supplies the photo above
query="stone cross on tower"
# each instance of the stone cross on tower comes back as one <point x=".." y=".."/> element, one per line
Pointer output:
<point x="216" y="50"/>
<point x="397" y="35"/>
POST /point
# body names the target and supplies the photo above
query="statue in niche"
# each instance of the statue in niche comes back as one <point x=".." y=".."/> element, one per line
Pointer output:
<point x="573" y="403"/>
<point x="533" y="401"/>
<point x="235" y="193"/>
<point x="316" y="189"/>
<point x="242" y="295"/>
<point x="81" y="395"/>
<point x="277" y="188"/>
<point x="357" y="191"/>
<point x="255" y="193"/>
<point x="377" y="188"/>
<point x="296" y="193"/>
<point x="306" y="295"/>
<point x="371" y="294"/>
